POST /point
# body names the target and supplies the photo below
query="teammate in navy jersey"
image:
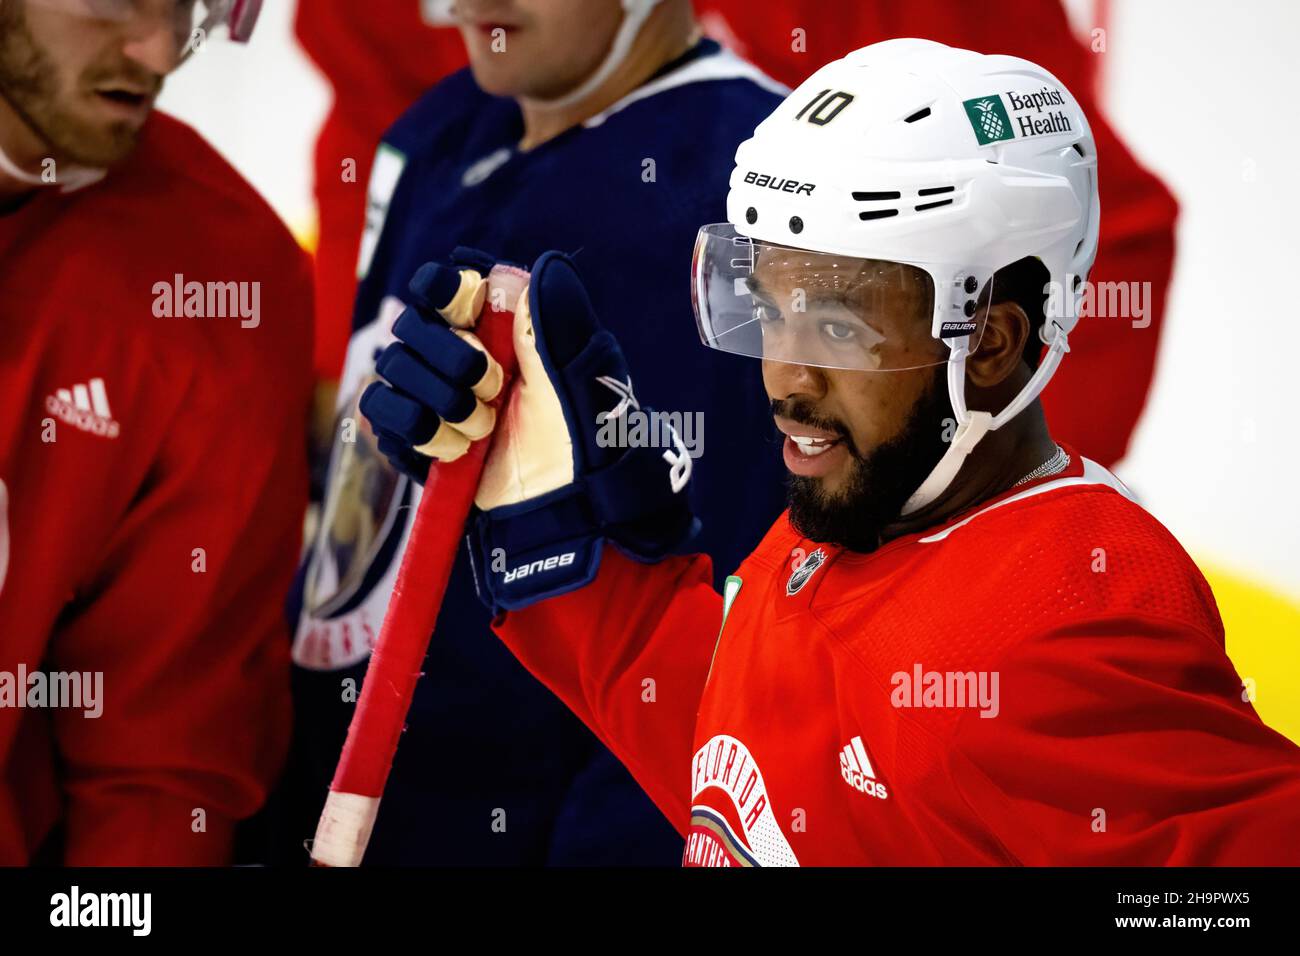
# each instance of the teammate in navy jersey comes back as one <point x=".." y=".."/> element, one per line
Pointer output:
<point x="612" y="142"/>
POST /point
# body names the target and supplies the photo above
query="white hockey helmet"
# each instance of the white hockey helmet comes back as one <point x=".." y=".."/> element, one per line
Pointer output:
<point x="870" y="211"/>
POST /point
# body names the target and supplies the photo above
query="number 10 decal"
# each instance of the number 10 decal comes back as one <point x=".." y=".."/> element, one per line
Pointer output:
<point x="825" y="106"/>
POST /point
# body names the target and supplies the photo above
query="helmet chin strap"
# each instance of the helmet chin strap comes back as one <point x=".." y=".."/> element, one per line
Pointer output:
<point x="973" y="426"/>
<point x="635" y="14"/>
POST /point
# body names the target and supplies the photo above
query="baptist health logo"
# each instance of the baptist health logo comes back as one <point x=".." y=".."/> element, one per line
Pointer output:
<point x="856" y="769"/>
<point x="990" y="119"/>
<point x="993" y="123"/>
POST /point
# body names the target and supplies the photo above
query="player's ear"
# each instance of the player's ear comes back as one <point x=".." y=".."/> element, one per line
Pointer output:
<point x="1001" y="347"/>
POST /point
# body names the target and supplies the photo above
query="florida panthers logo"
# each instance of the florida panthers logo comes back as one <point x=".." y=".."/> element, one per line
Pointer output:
<point x="732" y="821"/>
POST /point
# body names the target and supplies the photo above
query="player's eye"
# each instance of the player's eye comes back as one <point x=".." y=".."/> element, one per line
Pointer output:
<point x="839" y="332"/>
<point x="765" y="312"/>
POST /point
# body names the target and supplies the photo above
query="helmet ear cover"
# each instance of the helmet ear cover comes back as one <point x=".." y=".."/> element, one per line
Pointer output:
<point x="1025" y="282"/>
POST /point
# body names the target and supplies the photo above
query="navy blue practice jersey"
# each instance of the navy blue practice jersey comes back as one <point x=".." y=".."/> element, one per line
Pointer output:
<point x="492" y="768"/>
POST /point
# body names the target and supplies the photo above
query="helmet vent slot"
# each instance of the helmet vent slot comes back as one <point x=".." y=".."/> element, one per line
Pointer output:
<point x="935" y="190"/>
<point x="918" y="115"/>
<point x="877" y="214"/>
<point x="933" y="205"/>
<point x="871" y="197"/>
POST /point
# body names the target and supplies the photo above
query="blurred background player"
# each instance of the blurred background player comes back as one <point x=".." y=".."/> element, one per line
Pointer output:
<point x="614" y="142"/>
<point x="151" y="444"/>
<point x="786" y="39"/>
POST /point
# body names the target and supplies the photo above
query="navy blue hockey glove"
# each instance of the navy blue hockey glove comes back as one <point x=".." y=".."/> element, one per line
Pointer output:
<point x="437" y="375"/>
<point x="577" y="461"/>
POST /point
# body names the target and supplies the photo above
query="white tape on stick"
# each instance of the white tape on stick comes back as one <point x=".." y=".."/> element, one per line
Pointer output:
<point x="344" y="829"/>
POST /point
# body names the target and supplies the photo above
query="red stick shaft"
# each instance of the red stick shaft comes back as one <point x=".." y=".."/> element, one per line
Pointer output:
<point x="398" y="655"/>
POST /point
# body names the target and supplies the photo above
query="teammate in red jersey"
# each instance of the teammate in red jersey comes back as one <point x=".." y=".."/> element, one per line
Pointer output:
<point x="380" y="56"/>
<point x="963" y="643"/>
<point x="155" y="374"/>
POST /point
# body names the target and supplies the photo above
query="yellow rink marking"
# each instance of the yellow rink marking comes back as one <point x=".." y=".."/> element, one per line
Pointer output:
<point x="1262" y="628"/>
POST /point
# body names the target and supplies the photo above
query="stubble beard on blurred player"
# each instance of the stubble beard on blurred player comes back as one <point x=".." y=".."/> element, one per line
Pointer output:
<point x="878" y="484"/>
<point x="29" y="84"/>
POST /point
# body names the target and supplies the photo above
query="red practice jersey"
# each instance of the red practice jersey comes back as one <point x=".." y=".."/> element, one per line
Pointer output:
<point x="1039" y="681"/>
<point x="152" y="487"/>
<point x="380" y="56"/>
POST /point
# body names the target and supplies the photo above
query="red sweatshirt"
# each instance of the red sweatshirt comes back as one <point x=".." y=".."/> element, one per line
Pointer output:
<point x="1039" y="681"/>
<point x="155" y="475"/>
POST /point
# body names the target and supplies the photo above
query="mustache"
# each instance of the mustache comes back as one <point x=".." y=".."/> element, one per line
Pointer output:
<point x="805" y="413"/>
<point x="125" y="74"/>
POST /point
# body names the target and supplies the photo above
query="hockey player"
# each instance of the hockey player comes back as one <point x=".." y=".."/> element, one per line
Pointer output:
<point x="154" y="366"/>
<point x="963" y="643"/>
<point x="557" y="136"/>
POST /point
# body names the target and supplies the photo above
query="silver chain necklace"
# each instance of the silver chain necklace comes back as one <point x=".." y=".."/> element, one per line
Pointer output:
<point x="1053" y="466"/>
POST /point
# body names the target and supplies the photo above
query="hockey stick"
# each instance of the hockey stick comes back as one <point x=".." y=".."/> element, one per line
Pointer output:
<point x="395" y="663"/>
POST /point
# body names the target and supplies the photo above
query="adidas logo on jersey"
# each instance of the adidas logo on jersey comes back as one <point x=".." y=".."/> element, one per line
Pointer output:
<point x="84" y="407"/>
<point x="857" y="772"/>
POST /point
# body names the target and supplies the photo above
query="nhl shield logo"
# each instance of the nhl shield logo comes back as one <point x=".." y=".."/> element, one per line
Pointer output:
<point x="799" y="577"/>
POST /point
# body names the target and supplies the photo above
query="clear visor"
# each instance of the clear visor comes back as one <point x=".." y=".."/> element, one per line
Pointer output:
<point x="193" y="21"/>
<point x="792" y="305"/>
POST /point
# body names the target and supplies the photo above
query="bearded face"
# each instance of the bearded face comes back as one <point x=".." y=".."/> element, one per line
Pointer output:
<point x="874" y="485"/>
<point x="68" y="77"/>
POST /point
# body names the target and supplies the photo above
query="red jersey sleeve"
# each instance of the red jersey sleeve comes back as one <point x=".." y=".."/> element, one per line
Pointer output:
<point x="630" y="654"/>
<point x="1126" y="739"/>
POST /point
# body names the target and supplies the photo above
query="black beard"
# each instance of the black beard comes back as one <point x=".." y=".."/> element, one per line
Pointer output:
<point x="879" y="484"/>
